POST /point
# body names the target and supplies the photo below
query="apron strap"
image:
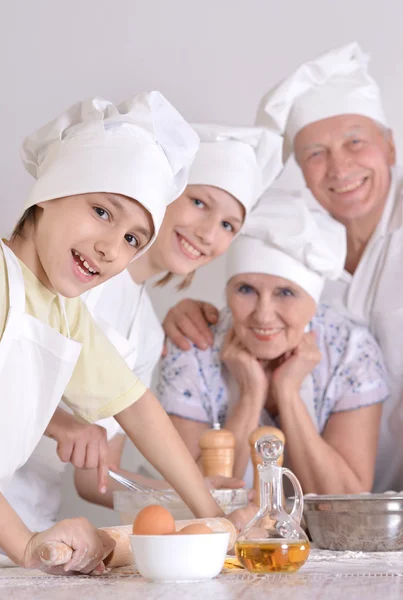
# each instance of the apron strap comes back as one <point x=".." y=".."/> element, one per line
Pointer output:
<point x="16" y="284"/>
<point x="136" y="312"/>
<point x="63" y="311"/>
<point x="91" y="297"/>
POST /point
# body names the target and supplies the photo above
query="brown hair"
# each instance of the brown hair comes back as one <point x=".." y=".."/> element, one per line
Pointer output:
<point x="28" y="217"/>
<point x="186" y="281"/>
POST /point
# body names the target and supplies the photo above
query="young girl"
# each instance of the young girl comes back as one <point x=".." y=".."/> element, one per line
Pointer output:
<point x="104" y="176"/>
<point x="232" y="166"/>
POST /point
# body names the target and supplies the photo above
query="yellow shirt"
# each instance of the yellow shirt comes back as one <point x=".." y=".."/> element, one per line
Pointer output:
<point x="102" y="385"/>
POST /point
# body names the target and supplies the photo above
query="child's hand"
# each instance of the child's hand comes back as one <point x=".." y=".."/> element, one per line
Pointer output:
<point x="241" y="517"/>
<point x="219" y="482"/>
<point x="90" y="547"/>
<point x="189" y="320"/>
<point x="83" y="444"/>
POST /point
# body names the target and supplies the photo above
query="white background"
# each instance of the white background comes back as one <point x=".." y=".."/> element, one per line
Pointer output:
<point x="213" y="59"/>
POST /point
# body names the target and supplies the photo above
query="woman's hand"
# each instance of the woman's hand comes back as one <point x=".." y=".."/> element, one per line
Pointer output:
<point x="248" y="372"/>
<point x="287" y="378"/>
<point x="90" y="547"/>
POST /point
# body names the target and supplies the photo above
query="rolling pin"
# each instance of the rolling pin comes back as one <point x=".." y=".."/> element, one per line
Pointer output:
<point x="58" y="553"/>
<point x="217" y="452"/>
<point x="256" y="459"/>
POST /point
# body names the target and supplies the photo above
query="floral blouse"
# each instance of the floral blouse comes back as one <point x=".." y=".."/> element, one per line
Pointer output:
<point x="196" y="385"/>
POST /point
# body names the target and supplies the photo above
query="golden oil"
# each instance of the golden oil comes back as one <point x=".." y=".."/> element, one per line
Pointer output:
<point x="272" y="555"/>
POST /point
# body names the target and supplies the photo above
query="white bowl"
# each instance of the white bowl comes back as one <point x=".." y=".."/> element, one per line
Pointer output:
<point x="179" y="557"/>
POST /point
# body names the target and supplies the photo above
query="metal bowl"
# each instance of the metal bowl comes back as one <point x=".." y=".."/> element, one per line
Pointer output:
<point x="362" y="522"/>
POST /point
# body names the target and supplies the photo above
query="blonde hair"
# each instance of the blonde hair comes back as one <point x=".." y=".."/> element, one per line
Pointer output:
<point x="185" y="283"/>
<point x="27" y="217"/>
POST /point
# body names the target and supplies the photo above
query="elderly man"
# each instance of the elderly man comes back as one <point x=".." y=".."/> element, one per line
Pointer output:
<point x="330" y="115"/>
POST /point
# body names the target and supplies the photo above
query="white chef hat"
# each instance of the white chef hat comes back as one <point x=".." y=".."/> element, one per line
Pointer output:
<point x="243" y="161"/>
<point x="335" y="83"/>
<point x="142" y="149"/>
<point x="283" y="237"/>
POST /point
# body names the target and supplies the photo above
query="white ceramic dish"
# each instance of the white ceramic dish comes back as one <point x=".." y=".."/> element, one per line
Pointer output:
<point x="179" y="558"/>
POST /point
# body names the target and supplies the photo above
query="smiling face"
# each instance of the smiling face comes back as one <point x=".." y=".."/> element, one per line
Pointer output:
<point x="82" y="241"/>
<point x="346" y="163"/>
<point x="197" y="227"/>
<point x="269" y="313"/>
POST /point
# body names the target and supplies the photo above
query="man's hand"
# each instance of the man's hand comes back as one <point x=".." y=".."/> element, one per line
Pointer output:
<point x="190" y="320"/>
<point x="84" y="445"/>
<point x="90" y="547"/>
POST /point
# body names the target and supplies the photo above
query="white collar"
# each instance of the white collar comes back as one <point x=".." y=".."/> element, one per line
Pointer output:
<point x="392" y="215"/>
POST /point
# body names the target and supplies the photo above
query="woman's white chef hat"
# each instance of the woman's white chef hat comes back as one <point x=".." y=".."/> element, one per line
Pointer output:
<point x="335" y="83"/>
<point x="243" y="161"/>
<point x="142" y="149"/>
<point x="283" y="237"/>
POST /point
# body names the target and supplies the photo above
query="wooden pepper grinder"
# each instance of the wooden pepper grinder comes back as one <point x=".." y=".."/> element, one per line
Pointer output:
<point x="217" y="451"/>
<point x="256" y="459"/>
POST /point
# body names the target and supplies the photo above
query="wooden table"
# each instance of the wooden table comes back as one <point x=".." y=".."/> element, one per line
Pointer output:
<point x="326" y="576"/>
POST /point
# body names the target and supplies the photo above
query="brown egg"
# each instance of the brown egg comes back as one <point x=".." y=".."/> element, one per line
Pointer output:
<point x="154" y="520"/>
<point x="195" y="528"/>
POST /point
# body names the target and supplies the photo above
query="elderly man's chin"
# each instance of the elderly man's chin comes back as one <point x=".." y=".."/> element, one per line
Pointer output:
<point x="352" y="206"/>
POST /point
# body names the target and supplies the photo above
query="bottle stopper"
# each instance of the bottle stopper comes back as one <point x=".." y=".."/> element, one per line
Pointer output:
<point x="265" y="449"/>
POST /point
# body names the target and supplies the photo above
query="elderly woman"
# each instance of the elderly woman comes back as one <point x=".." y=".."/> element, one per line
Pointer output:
<point x="281" y="358"/>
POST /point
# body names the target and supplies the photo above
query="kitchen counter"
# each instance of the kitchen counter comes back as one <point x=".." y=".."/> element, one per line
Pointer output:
<point x="326" y="576"/>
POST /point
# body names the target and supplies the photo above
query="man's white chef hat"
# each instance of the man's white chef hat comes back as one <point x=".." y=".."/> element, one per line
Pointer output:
<point x="283" y="237"/>
<point x="142" y="149"/>
<point x="335" y="83"/>
<point x="243" y="161"/>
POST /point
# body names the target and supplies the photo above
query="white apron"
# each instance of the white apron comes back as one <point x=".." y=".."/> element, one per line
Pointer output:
<point x="36" y="490"/>
<point x="123" y="310"/>
<point x="373" y="296"/>
<point x="124" y="345"/>
<point x="36" y="364"/>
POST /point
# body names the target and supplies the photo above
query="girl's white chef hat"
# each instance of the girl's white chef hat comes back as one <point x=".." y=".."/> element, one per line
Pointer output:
<point x="243" y="161"/>
<point x="283" y="237"/>
<point x="335" y="83"/>
<point x="142" y="149"/>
